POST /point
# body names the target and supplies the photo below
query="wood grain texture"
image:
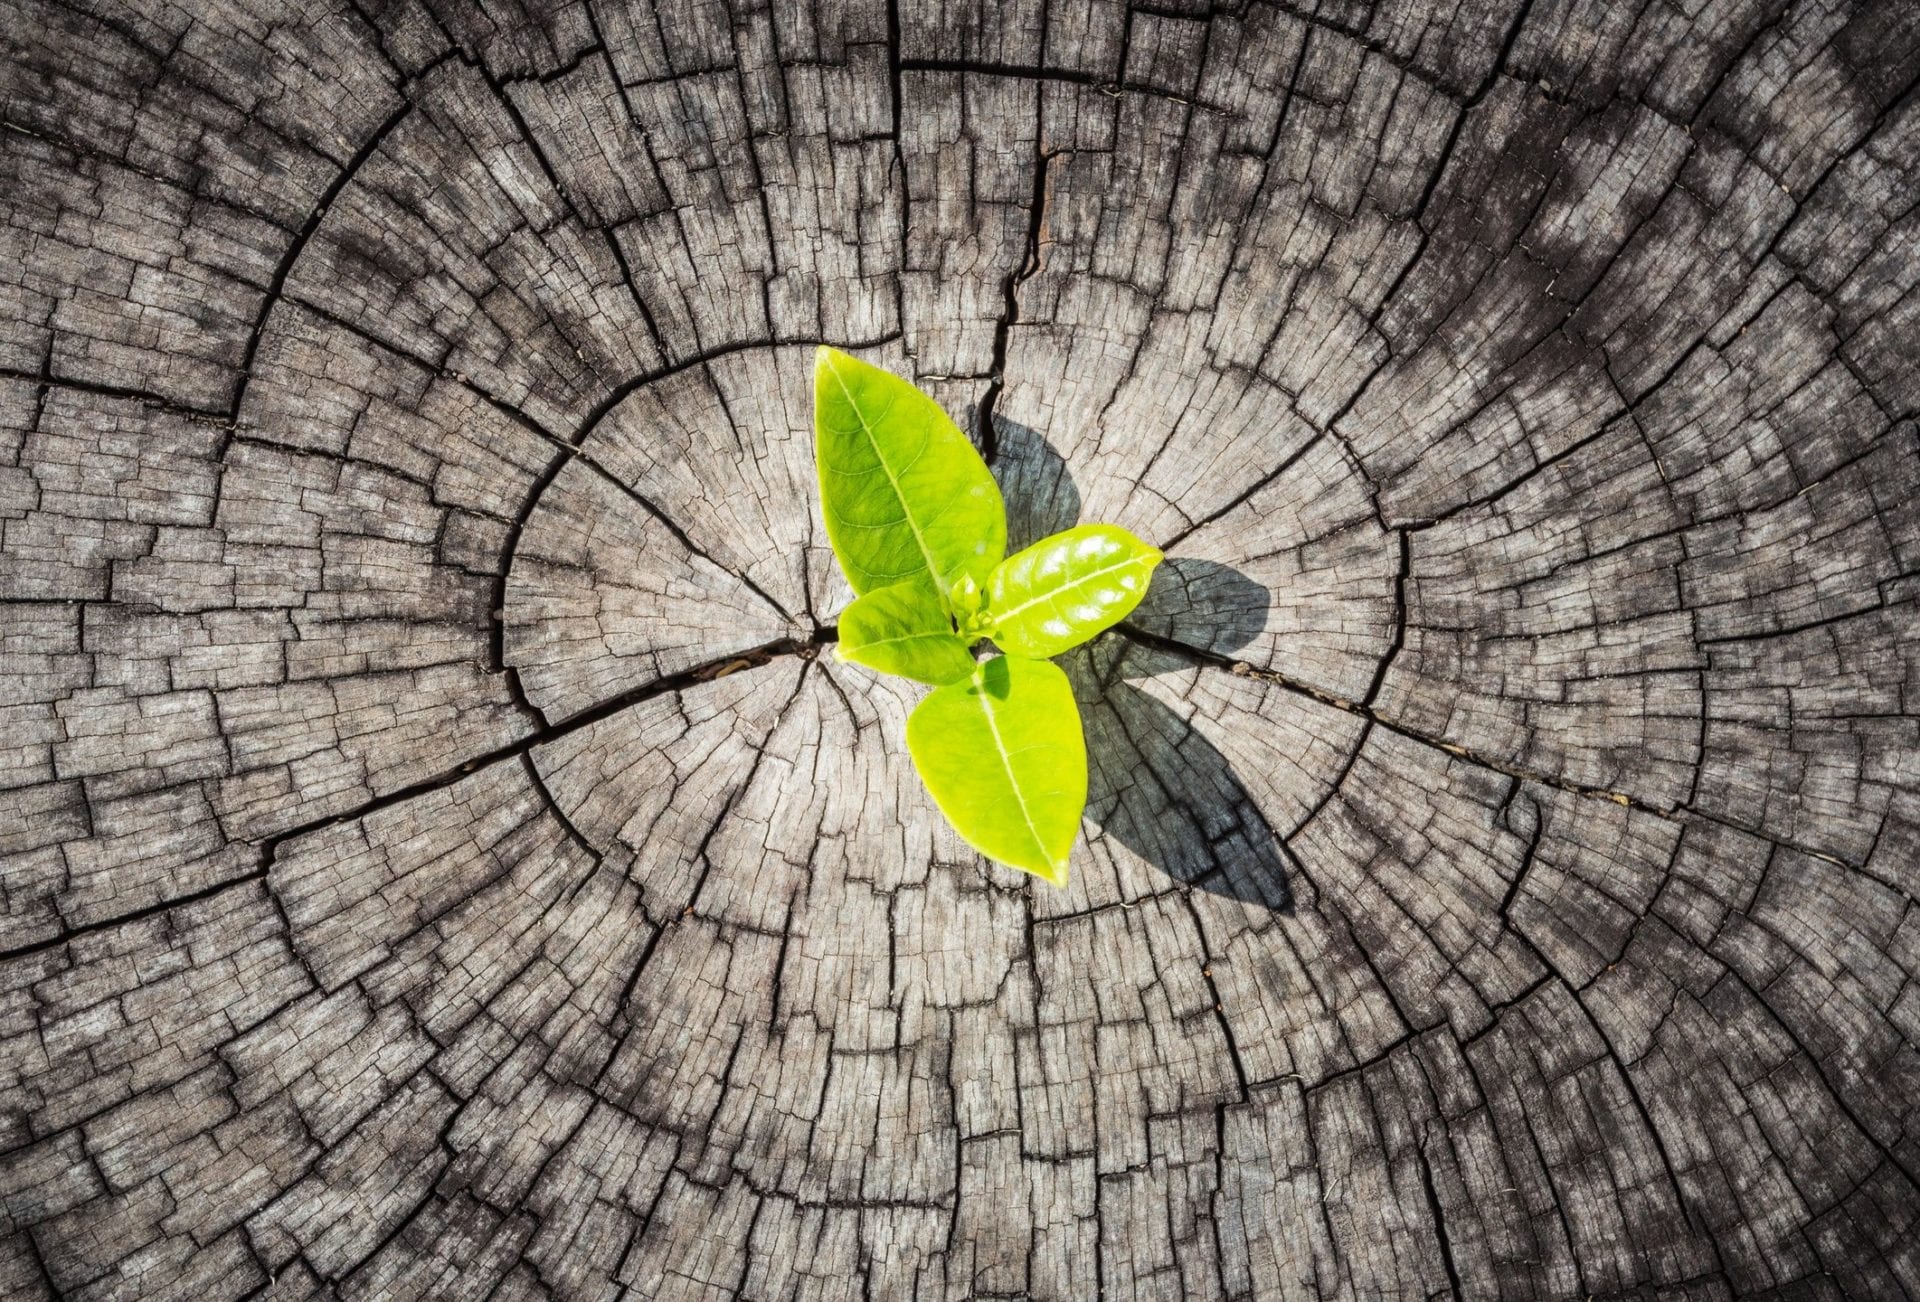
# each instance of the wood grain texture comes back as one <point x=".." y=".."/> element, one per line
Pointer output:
<point x="439" y="863"/>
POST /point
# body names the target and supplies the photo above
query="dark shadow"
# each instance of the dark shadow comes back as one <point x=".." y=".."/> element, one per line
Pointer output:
<point x="1040" y="494"/>
<point x="1206" y="605"/>
<point x="1155" y="783"/>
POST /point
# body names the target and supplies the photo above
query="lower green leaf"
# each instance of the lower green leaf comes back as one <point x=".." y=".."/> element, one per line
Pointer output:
<point x="902" y="629"/>
<point x="1003" y="756"/>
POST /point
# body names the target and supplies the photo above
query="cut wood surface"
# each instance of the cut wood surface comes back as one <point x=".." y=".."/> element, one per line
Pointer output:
<point x="440" y="861"/>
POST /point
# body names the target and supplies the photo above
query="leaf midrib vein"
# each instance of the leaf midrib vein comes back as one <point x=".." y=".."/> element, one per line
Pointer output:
<point x="910" y="637"/>
<point x="1054" y="594"/>
<point x="880" y="456"/>
<point x="1006" y="762"/>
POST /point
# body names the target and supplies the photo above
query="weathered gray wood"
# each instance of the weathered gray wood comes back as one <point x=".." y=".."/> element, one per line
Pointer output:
<point x="437" y="861"/>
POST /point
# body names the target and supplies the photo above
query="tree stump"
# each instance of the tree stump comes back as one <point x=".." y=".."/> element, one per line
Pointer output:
<point x="440" y="861"/>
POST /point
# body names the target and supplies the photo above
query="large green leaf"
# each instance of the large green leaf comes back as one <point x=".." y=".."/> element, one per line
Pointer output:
<point x="1004" y="757"/>
<point x="903" y="630"/>
<point x="1064" y="589"/>
<point x="906" y="498"/>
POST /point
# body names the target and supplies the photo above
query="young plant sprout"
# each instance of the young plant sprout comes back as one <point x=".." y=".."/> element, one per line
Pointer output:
<point x="918" y="526"/>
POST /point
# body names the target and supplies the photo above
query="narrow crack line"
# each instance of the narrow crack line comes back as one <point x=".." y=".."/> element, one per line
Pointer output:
<point x="164" y="63"/>
<point x="1213" y="990"/>
<point x="1440" y="1118"/>
<point x="1538" y="468"/>
<point x="1322" y="23"/>
<point x="1246" y="495"/>
<point x="276" y="287"/>
<point x="703" y="852"/>
<point x="38" y="1258"/>
<point x="1772" y="839"/>
<point x="626" y="388"/>
<point x="1693" y="1220"/>
<point x="563" y="71"/>
<point x="568" y="449"/>
<point x="560" y="815"/>
<point x="102" y="161"/>
<point x="1241" y="669"/>
<point x="1418" y="219"/>
<point x="752" y="150"/>
<point x="1441" y="1238"/>
<point x="430" y="1195"/>
<point x="1822" y="1067"/>
<point x="1677" y="813"/>
<point x="502" y="93"/>
<point x="634" y="122"/>
<point x="379" y="36"/>
<point x="669" y="524"/>
<point x="1532" y="1124"/>
<point x="1508" y="41"/>
<point x="1064" y="76"/>
<point x="1880" y="604"/>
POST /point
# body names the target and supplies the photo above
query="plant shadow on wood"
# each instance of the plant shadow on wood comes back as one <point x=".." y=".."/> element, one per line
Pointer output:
<point x="1155" y="783"/>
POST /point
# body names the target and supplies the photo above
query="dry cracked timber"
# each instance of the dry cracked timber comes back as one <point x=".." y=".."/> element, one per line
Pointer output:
<point x="439" y="861"/>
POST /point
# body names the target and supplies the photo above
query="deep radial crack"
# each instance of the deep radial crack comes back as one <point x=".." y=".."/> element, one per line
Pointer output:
<point x="985" y="432"/>
<point x="269" y="846"/>
<point x="592" y="714"/>
<point x="1526" y="857"/>
<point x="895" y="93"/>
<point x="1399" y="620"/>
<point x="72" y="931"/>
<point x="45" y="379"/>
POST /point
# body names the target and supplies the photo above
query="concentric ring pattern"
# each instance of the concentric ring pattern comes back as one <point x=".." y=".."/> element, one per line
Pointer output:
<point x="439" y="861"/>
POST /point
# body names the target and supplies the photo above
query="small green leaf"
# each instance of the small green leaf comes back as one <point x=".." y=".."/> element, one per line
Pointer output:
<point x="968" y="601"/>
<point x="905" y="496"/>
<point x="967" y="598"/>
<point x="1003" y="756"/>
<point x="903" y="630"/>
<point x="1065" y="589"/>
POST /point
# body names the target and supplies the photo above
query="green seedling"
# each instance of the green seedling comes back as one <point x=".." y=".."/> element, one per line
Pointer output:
<point x="920" y="531"/>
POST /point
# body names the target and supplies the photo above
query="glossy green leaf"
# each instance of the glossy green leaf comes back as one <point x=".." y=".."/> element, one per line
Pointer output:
<point x="905" y="496"/>
<point x="1003" y="756"/>
<point x="903" y="630"/>
<point x="1065" y="589"/>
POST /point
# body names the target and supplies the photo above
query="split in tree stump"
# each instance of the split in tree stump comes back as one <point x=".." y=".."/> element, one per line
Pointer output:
<point x="440" y="862"/>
